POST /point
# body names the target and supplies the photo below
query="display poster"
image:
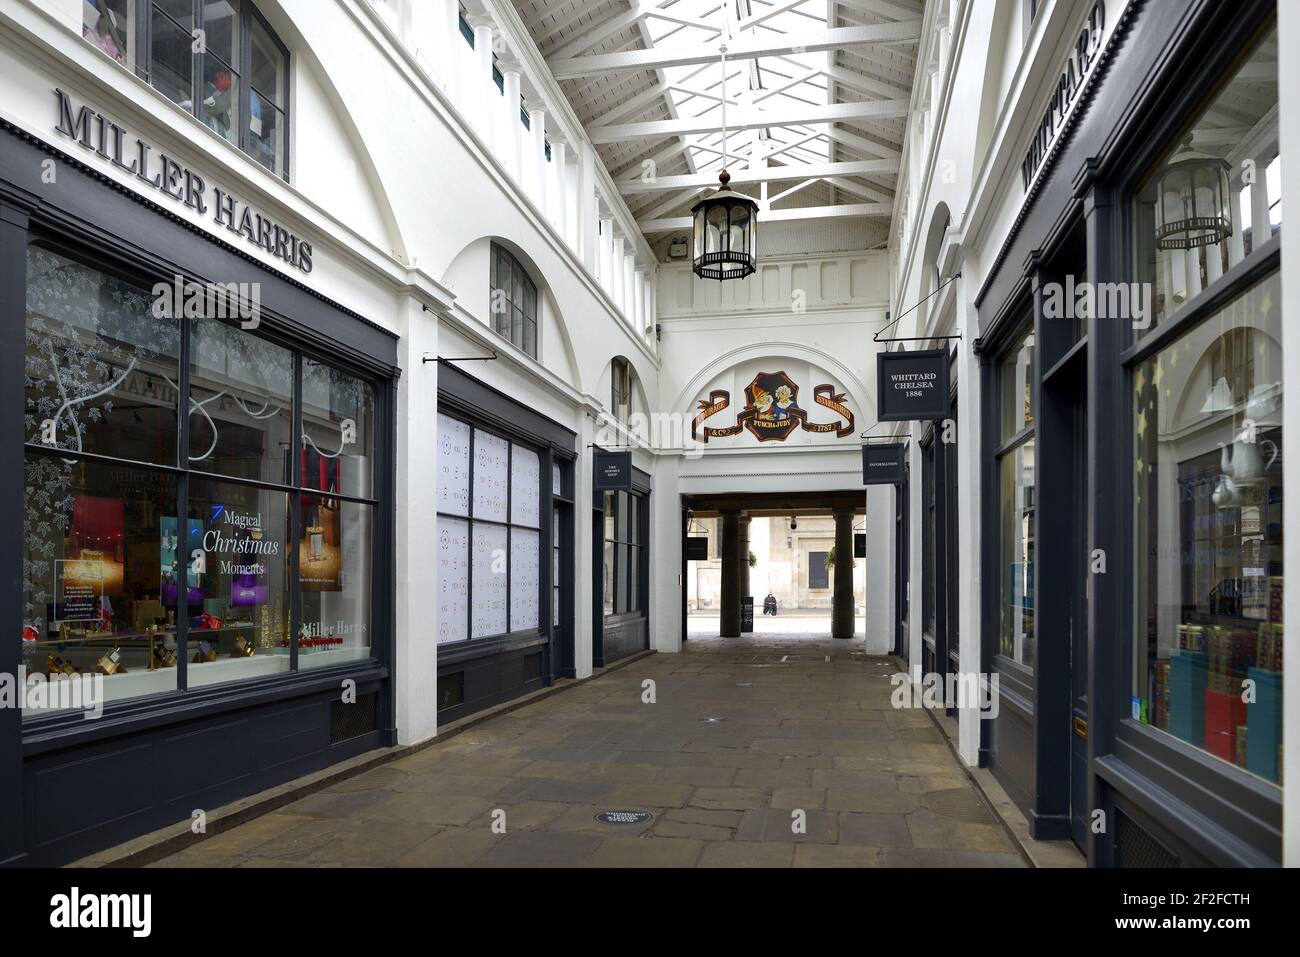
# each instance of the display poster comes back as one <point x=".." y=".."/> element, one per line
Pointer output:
<point x="97" y="525"/>
<point x="78" y="588"/>
<point x="169" y="532"/>
<point x="320" y="547"/>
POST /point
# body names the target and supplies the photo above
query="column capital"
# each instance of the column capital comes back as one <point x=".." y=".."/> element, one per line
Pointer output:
<point x="481" y="21"/>
<point x="509" y="66"/>
<point x="535" y="104"/>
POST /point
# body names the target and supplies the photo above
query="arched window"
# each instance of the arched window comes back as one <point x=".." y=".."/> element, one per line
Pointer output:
<point x="513" y="301"/>
<point x="621" y="389"/>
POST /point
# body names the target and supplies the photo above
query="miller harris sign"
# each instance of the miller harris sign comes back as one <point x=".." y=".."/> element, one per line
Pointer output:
<point x="98" y="133"/>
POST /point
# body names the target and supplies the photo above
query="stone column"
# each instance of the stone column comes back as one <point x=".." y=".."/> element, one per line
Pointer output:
<point x="842" y="625"/>
<point x="731" y="574"/>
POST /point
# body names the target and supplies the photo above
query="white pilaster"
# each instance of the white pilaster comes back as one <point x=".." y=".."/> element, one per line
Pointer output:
<point x="481" y="88"/>
<point x="617" y="273"/>
<point x="607" y="254"/>
<point x="638" y="300"/>
<point x="586" y="221"/>
<point x="512" y="126"/>
<point x="629" y="287"/>
<point x="560" y="185"/>
<point x="536" y="154"/>
<point x="416" y="668"/>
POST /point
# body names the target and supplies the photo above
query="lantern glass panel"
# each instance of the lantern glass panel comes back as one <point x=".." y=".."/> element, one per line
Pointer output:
<point x="715" y="228"/>
<point x="1196" y="215"/>
<point x="739" y="239"/>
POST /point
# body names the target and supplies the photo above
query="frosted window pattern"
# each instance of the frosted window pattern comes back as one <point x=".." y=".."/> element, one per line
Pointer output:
<point x="525" y="578"/>
<point x="491" y="472"/>
<point x="453" y="579"/>
<point x="489" y="581"/>
<point x="453" y="466"/>
<point x="525" y="488"/>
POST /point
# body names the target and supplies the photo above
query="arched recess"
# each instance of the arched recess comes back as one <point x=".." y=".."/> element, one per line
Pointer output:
<point x="861" y="398"/>
<point x="468" y="276"/>
<point x="367" y="171"/>
<point x="940" y="219"/>
<point x="639" y="400"/>
<point x="1004" y="21"/>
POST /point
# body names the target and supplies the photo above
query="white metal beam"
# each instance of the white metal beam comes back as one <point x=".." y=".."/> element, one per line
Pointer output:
<point x="750" y="119"/>
<point x="688" y="54"/>
<point x="762" y="175"/>
<point x="844" y="211"/>
<point x="897" y="9"/>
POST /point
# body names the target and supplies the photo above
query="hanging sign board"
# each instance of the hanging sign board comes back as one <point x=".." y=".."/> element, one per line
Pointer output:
<point x="859" y="544"/>
<point x="613" y="471"/>
<point x="883" y="464"/>
<point x="697" y="548"/>
<point x="912" y="386"/>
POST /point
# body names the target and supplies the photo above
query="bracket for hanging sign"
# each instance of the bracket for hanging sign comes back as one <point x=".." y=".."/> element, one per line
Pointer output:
<point x="428" y="358"/>
<point x="894" y="322"/>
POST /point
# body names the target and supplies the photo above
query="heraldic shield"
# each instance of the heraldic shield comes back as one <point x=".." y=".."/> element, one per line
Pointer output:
<point x="772" y="410"/>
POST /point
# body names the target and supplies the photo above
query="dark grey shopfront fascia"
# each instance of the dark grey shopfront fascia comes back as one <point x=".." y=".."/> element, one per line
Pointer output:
<point x="234" y="687"/>
<point x="1104" y="670"/>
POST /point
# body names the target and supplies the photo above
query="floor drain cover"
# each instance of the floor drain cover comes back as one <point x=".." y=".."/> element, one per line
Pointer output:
<point x="712" y="720"/>
<point x="744" y="684"/>
<point x="960" y="804"/>
<point x="623" y="817"/>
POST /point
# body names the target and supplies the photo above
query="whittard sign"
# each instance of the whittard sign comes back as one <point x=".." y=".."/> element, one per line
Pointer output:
<point x="912" y="385"/>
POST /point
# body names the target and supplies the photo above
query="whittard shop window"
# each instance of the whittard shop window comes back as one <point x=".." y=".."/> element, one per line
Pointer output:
<point x="137" y="559"/>
<point x="1207" y="433"/>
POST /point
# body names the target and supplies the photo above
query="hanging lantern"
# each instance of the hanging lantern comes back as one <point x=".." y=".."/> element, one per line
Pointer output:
<point x="1192" y="205"/>
<point x="725" y="234"/>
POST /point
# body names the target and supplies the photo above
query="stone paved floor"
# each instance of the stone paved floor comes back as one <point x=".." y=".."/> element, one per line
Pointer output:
<point x="742" y="735"/>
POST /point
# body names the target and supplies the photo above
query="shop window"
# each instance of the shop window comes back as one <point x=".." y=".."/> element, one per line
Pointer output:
<point x="513" y="301"/>
<point x="100" y="574"/>
<point x="929" y="584"/>
<point x="1016" y="384"/>
<point x="625" y="552"/>
<point x="216" y="59"/>
<point x="102" y="371"/>
<point x="237" y="595"/>
<point x="1208" y="471"/>
<point x="1216" y="196"/>
<point x="621" y="390"/>
<point x="1017" y="526"/>
<point x="111" y="26"/>
<point x="489" y="534"/>
<point x="138" y="559"/>
<point x="241" y="397"/>
<point x="336" y="465"/>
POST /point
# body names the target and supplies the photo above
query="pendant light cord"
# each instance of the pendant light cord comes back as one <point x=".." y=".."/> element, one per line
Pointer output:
<point x="724" y="107"/>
